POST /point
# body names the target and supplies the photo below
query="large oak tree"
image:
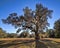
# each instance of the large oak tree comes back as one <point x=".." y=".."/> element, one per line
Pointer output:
<point x="36" y="20"/>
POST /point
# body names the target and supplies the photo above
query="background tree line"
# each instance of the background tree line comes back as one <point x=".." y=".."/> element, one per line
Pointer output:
<point x="24" y="34"/>
<point x="55" y="32"/>
<point x="4" y="34"/>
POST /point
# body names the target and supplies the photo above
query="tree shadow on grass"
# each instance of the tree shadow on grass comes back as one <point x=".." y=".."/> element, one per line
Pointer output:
<point x="31" y="44"/>
<point x="51" y="43"/>
<point x="19" y="43"/>
<point x="41" y="45"/>
<point x="1" y="42"/>
<point x="14" y="43"/>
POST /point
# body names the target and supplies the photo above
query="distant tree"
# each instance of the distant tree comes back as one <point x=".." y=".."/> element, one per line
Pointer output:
<point x="3" y="33"/>
<point x="31" y="35"/>
<point x="50" y="33"/>
<point x="57" y="28"/>
<point x="11" y="35"/>
<point x="24" y="35"/>
<point x="35" y="20"/>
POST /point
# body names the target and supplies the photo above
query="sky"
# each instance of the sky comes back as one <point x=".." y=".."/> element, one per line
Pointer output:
<point x="11" y="6"/>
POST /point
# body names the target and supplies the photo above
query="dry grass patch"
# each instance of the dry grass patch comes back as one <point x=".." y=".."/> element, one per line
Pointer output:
<point x="29" y="43"/>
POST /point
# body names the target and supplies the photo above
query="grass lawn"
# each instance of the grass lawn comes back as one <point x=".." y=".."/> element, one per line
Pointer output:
<point x="29" y="43"/>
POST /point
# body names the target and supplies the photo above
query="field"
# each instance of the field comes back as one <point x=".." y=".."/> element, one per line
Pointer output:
<point x="29" y="43"/>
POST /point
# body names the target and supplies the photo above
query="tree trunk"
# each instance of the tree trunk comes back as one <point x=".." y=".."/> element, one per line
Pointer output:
<point x="37" y="38"/>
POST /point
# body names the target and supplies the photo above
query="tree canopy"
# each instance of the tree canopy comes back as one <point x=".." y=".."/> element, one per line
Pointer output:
<point x="57" y="28"/>
<point x="50" y="33"/>
<point x="35" y="20"/>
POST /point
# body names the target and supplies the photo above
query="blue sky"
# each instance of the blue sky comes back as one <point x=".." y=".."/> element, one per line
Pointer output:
<point x="10" y="6"/>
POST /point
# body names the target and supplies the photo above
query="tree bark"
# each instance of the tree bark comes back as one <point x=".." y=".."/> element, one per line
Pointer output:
<point x="37" y="38"/>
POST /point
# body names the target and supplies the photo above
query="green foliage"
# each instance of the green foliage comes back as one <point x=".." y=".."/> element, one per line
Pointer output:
<point x="32" y="35"/>
<point x="2" y="33"/>
<point x="57" y="28"/>
<point x="11" y="35"/>
<point x="50" y="33"/>
<point x="24" y="35"/>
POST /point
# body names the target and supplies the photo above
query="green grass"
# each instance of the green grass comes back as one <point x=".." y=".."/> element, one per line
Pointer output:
<point x="29" y="43"/>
